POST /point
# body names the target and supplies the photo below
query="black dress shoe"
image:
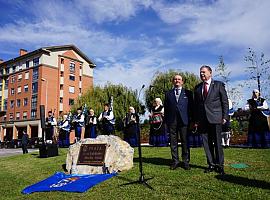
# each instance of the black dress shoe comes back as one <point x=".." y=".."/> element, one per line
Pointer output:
<point x="220" y="170"/>
<point x="209" y="169"/>
<point x="186" y="166"/>
<point x="174" y="166"/>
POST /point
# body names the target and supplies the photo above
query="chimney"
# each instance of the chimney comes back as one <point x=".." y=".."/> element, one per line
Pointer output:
<point x="23" y="52"/>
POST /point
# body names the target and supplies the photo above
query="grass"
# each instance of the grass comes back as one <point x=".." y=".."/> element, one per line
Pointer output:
<point x="18" y="172"/>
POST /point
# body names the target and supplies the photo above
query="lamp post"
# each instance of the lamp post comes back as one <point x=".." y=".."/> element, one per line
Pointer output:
<point x="46" y="93"/>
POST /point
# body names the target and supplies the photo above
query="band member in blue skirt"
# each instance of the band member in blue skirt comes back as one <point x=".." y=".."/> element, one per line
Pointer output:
<point x="158" y="136"/>
<point x="107" y="120"/>
<point x="64" y="127"/>
<point x="78" y="122"/>
<point x="258" y="128"/>
<point x="131" y="127"/>
<point x="91" y="125"/>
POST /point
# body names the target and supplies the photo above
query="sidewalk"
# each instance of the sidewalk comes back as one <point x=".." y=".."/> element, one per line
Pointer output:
<point x="11" y="152"/>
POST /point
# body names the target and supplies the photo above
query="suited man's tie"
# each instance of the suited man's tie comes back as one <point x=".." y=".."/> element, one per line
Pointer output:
<point x="205" y="90"/>
<point x="177" y="93"/>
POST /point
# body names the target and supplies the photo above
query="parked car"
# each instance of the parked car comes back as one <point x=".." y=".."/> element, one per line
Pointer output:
<point x="14" y="143"/>
<point x="34" y="142"/>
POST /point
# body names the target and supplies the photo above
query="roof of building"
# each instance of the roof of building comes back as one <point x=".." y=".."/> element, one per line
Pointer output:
<point x="47" y="50"/>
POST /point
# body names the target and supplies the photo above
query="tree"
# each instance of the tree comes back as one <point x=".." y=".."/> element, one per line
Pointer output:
<point x="258" y="71"/>
<point x="223" y="74"/>
<point x="123" y="97"/>
<point x="162" y="82"/>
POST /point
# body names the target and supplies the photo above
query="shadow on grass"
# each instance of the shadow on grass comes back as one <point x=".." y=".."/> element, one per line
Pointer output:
<point x="163" y="161"/>
<point x="244" y="181"/>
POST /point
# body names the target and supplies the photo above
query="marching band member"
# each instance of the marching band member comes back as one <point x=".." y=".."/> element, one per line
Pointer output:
<point x="50" y="123"/>
<point x="91" y="124"/>
<point x="107" y="120"/>
<point x="78" y="121"/>
<point x="64" y="132"/>
<point x="258" y="128"/>
<point x="131" y="127"/>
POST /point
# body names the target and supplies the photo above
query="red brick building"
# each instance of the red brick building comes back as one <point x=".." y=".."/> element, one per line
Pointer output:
<point x="52" y="76"/>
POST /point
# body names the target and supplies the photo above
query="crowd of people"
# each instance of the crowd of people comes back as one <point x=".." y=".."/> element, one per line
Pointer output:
<point x="199" y="118"/>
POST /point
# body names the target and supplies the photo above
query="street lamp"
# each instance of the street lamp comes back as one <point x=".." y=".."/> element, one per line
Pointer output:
<point x="46" y="93"/>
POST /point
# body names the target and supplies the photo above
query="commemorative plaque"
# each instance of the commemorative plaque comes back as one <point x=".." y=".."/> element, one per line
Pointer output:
<point x="92" y="154"/>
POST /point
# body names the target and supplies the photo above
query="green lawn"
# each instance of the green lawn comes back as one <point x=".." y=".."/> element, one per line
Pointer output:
<point x="18" y="172"/>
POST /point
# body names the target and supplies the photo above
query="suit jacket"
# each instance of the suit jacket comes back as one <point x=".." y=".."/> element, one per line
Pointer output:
<point x="214" y="107"/>
<point x="183" y="106"/>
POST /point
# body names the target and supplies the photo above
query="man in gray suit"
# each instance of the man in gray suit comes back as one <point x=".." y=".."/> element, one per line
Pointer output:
<point x="211" y="111"/>
<point x="177" y="114"/>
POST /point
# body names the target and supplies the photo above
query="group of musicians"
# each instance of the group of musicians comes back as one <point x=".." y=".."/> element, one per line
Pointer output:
<point x="84" y="122"/>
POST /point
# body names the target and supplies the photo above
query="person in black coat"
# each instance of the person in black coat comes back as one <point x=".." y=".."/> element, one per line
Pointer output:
<point x="211" y="112"/>
<point x="25" y="140"/>
<point x="178" y="113"/>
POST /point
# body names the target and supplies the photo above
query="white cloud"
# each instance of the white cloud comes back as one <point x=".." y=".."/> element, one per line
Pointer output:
<point x="228" y="22"/>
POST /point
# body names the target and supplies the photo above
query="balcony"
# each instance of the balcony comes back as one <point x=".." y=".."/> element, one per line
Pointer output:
<point x="62" y="80"/>
<point x="62" y="68"/>
<point x="61" y="106"/>
<point x="61" y="93"/>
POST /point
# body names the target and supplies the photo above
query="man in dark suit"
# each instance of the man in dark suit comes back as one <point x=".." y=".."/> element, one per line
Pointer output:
<point x="25" y="140"/>
<point x="177" y="113"/>
<point x="211" y="111"/>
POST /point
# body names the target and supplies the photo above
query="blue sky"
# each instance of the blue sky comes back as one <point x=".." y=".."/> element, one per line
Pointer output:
<point x="129" y="40"/>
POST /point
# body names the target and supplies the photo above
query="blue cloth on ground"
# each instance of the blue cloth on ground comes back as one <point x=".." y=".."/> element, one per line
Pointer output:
<point x="68" y="183"/>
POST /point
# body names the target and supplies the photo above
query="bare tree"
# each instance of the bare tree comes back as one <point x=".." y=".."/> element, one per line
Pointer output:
<point x="223" y="73"/>
<point x="258" y="71"/>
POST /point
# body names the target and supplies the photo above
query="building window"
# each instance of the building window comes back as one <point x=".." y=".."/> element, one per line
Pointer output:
<point x="20" y="67"/>
<point x="35" y="74"/>
<point x="80" y="78"/>
<point x="27" y="63"/>
<point x="35" y="62"/>
<point x="11" y="116"/>
<point x="5" y="104"/>
<point x="35" y="87"/>
<point x="17" y="116"/>
<point x="19" y="89"/>
<point x="18" y="103"/>
<point x="26" y="88"/>
<point x="25" y="101"/>
<point x="33" y="114"/>
<point x="13" y="69"/>
<point x="6" y="84"/>
<point x="71" y="89"/>
<point x="62" y="60"/>
<point x="34" y="102"/>
<point x="61" y="87"/>
<point x="25" y="115"/>
<point x="71" y="102"/>
<point x="1" y="87"/>
<point x="11" y="104"/>
<point x="12" y="91"/>
<point x="71" y="77"/>
<point x="72" y="67"/>
<point x="12" y="79"/>
<point x="61" y="100"/>
<point x="26" y="75"/>
<point x="19" y="77"/>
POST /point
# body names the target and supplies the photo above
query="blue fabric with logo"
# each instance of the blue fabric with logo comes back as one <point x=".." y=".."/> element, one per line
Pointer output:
<point x="67" y="183"/>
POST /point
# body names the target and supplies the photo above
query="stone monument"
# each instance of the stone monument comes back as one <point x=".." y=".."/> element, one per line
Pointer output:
<point x="104" y="154"/>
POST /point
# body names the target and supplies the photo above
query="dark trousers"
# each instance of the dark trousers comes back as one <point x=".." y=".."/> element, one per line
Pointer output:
<point x="24" y="148"/>
<point x="212" y="144"/>
<point x="174" y="129"/>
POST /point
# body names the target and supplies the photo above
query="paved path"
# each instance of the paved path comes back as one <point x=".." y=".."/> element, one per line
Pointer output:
<point x="11" y="152"/>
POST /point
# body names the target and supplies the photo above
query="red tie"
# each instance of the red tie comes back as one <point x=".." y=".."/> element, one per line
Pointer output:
<point x="205" y="91"/>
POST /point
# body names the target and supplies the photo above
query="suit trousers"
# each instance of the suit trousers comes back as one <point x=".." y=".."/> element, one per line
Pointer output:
<point x="212" y="144"/>
<point x="174" y="129"/>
